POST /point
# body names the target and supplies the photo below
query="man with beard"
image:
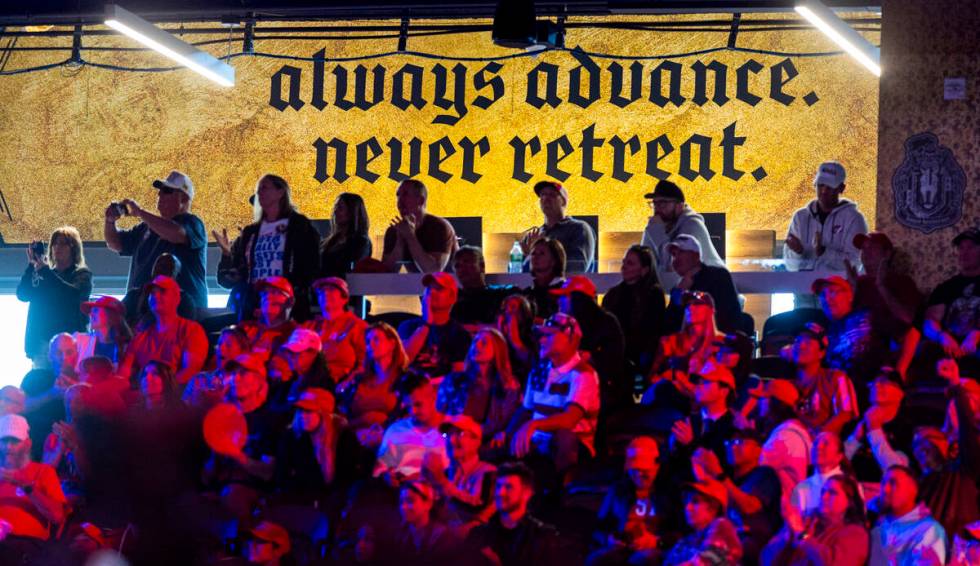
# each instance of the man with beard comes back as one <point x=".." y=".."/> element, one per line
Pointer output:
<point x="906" y="532"/>
<point x="513" y="537"/>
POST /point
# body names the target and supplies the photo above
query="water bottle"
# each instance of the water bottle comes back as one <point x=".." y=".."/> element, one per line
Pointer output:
<point x="516" y="264"/>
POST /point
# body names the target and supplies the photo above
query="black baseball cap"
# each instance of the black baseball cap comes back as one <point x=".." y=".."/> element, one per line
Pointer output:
<point x="972" y="234"/>
<point x="666" y="189"/>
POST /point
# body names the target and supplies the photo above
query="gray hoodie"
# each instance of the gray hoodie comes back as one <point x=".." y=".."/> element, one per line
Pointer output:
<point x="657" y="237"/>
<point x="836" y="234"/>
<point x="914" y="539"/>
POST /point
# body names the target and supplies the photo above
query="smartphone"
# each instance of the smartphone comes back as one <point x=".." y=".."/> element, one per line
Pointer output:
<point x="120" y="208"/>
<point x="37" y="248"/>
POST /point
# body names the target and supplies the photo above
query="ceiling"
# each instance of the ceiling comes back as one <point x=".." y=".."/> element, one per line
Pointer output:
<point x="40" y="12"/>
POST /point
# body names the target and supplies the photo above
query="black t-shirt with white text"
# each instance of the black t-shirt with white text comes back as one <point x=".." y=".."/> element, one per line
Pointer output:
<point x="961" y="296"/>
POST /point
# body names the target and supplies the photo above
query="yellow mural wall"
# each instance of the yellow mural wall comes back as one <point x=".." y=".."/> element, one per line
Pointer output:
<point x="72" y="140"/>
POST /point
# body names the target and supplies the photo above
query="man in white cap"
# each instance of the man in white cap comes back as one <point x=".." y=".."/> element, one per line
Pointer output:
<point x="821" y="234"/>
<point x="685" y="253"/>
<point x="173" y="230"/>
<point x="31" y="499"/>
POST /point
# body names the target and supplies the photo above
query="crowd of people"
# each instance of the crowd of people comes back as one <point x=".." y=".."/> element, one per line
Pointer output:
<point x="502" y="426"/>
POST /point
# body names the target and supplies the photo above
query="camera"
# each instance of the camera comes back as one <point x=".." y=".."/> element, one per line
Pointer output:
<point x="120" y="209"/>
<point x="37" y="248"/>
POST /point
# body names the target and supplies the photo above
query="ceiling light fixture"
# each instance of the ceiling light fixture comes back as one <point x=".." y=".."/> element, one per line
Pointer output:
<point x="135" y="27"/>
<point x="825" y="20"/>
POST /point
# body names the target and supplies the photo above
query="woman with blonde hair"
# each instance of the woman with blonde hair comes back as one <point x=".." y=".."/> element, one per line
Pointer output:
<point x="55" y="284"/>
<point x="684" y="353"/>
<point x="368" y="398"/>
<point x="281" y="242"/>
<point x="486" y="389"/>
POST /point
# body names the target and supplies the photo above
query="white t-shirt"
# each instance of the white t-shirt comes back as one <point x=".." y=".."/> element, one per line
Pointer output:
<point x="550" y="390"/>
<point x="269" y="249"/>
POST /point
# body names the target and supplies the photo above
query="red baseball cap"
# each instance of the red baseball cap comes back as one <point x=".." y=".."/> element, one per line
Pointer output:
<point x="464" y="423"/>
<point x="576" y="283"/>
<point x="713" y="489"/>
<point x="720" y="374"/>
<point x="879" y="238"/>
<point x="542" y="185"/>
<point x="440" y="279"/>
<point x="335" y="282"/>
<point x="834" y="280"/>
<point x="276" y="283"/>
<point x="273" y="533"/>
<point x="317" y="400"/>
<point x="168" y="284"/>
<point x="104" y="302"/>
<point x="250" y="361"/>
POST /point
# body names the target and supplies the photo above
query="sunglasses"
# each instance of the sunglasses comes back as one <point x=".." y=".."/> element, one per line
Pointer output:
<point x="167" y="191"/>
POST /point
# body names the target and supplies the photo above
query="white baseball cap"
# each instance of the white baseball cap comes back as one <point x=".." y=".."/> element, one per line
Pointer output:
<point x="830" y="173"/>
<point x="685" y="242"/>
<point x="14" y="426"/>
<point x="177" y="181"/>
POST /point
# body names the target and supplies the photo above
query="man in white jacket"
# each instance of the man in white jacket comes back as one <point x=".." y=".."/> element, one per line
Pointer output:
<point x="671" y="218"/>
<point x="906" y="534"/>
<point x="821" y="234"/>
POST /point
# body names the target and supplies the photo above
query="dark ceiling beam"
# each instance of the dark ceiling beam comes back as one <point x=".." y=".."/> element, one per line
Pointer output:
<point x="89" y="12"/>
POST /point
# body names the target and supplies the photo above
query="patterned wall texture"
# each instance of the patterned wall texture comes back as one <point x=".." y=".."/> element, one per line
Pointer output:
<point x="72" y="141"/>
<point x="922" y="44"/>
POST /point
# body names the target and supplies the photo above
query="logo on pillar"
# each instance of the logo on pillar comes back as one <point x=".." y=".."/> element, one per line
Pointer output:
<point x="928" y="186"/>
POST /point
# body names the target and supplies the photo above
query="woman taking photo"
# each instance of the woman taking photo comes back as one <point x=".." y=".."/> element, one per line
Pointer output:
<point x="55" y="284"/>
<point x="281" y="242"/>
<point x="348" y="242"/>
<point x="486" y="389"/>
<point x="835" y="535"/>
<point x="108" y="334"/>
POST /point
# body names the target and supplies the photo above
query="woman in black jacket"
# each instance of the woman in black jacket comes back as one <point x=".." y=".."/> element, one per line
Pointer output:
<point x="281" y="241"/>
<point x="55" y="284"/>
<point x="638" y="303"/>
<point x="348" y="242"/>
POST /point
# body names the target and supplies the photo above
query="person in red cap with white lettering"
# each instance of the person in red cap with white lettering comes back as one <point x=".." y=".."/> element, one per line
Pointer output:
<point x="172" y="339"/>
<point x="435" y="343"/>
<point x="274" y="324"/>
<point x="603" y="342"/>
<point x="341" y="331"/>
<point x="108" y="334"/>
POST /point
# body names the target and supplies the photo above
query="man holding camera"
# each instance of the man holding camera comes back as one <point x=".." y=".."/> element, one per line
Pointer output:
<point x="174" y="230"/>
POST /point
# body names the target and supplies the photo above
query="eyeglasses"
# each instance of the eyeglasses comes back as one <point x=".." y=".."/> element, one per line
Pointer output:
<point x="167" y="191"/>
<point x="737" y="441"/>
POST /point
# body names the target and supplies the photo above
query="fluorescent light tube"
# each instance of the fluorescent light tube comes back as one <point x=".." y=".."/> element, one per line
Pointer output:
<point x="825" y="20"/>
<point x="131" y="25"/>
